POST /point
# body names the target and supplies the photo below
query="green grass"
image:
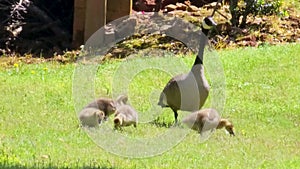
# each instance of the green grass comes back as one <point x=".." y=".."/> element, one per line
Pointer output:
<point x="39" y="127"/>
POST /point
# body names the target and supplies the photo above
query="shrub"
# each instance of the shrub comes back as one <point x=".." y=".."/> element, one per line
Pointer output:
<point x="244" y="8"/>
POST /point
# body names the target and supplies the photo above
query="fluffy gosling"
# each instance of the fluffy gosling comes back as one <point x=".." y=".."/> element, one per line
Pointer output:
<point x="207" y="120"/>
<point x="91" y="117"/>
<point x="106" y="105"/>
<point x="125" y="115"/>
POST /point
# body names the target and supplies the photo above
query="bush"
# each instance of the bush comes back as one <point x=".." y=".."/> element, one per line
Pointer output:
<point x="245" y="8"/>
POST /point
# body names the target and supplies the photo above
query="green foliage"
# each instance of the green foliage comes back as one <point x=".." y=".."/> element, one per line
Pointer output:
<point x="266" y="7"/>
<point x="255" y="8"/>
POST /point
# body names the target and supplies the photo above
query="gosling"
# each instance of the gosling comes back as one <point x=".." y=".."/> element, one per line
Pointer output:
<point x="125" y="115"/>
<point x="91" y="117"/>
<point x="207" y="120"/>
<point x="106" y="105"/>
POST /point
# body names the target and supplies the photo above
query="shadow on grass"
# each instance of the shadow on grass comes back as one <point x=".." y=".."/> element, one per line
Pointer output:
<point x="162" y="123"/>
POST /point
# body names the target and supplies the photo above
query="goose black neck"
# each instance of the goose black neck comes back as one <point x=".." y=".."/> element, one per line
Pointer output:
<point x="203" y="41"/>
<point x="198" y="60"/>
<point x="204" y="31"/>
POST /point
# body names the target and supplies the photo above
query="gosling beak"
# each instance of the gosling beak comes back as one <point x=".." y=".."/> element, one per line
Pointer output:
<point x="231" y="132"/>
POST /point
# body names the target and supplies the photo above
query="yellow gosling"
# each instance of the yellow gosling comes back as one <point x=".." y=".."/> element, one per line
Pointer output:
<point x="91" y="117"/>
<point x="207" y="120"/>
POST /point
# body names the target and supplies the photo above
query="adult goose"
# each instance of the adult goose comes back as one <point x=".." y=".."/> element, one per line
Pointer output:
<point x="207" y="120"/>
<point x="188" y="92"/>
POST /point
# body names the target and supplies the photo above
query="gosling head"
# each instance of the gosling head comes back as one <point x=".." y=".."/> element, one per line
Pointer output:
<point x="208" y="23"/>
<point x="111" y="107"/>
<point x="118" y="121"/>
<point x="99" y="115"/>
<point x="122" y="99"/>
<point x="228" y="126"/>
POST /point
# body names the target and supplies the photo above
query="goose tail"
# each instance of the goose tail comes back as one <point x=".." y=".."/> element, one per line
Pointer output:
<point x="162" y="100"/>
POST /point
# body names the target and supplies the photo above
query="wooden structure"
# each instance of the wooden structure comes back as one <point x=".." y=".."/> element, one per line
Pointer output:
<point x="90" y="15"/>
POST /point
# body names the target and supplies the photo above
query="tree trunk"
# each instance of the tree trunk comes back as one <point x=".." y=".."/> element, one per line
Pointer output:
<point x="234" y="12"/>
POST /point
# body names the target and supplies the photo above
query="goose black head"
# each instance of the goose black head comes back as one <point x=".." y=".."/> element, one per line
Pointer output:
<point x="208" y="23"/>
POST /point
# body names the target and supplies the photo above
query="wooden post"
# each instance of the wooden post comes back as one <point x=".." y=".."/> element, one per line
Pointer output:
<point x="90" y="15"/>
<point x="78" y="23"/>
<point x="117" y="9"/>
<point x="95" y="17"/>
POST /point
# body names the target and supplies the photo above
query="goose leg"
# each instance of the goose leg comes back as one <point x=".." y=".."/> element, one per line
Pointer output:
<point x="175" y="115"/>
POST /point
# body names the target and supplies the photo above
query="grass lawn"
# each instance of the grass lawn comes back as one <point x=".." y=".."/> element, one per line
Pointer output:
<point x="39" y="126"/>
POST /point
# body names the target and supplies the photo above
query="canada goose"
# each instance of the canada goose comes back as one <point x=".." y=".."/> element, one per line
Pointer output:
<point x="188" y="92"/>
<point x="108" y="106"/>
<point x="207" y="120"/>
<point x="125" y="115"/>
<point x="91" y="117"/>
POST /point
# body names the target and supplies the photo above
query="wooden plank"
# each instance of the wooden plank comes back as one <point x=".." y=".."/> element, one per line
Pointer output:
<point x="90" y="15"/>
<point x="95" y="16"/>
<point x="78" y="23"/>
<point x="117" y="9"/>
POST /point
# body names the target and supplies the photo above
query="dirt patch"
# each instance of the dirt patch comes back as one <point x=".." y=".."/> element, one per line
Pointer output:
<point x="259" y="31"/>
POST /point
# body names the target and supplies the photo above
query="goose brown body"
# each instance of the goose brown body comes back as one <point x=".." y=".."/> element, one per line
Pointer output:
<point x="187" y="92"/>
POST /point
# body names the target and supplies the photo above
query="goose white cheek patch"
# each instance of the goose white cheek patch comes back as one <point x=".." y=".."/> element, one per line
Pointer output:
<point x="205" y="26"/>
